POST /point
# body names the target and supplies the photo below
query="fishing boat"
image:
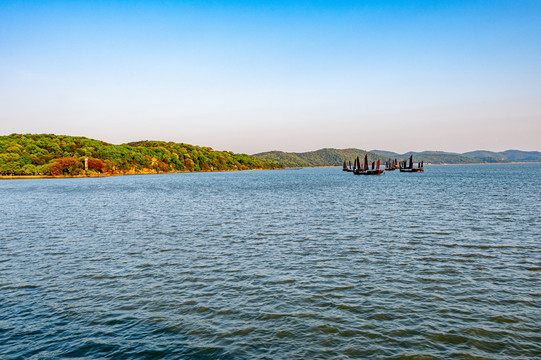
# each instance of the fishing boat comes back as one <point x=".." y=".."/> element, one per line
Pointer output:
<point x="408" y="167"/>
<point x="356" y="165"/>
<point x="391" y="165"/>
<point x="346" y="168"/>
<point x="365" y="170"/>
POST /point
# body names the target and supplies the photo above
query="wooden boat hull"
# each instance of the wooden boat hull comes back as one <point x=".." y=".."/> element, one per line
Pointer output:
<point x="412" y="170"/>
<point x="368" y="172"/>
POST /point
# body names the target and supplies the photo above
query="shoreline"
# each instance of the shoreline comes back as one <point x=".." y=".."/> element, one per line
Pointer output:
<point x="32" y="177"/>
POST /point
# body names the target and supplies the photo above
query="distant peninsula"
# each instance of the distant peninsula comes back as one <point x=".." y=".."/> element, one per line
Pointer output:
<point x="336" y="157"/>
<point x="45" y="155"/>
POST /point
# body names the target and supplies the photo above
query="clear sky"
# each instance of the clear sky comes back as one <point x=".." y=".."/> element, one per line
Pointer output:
<point x="253" y="76"/>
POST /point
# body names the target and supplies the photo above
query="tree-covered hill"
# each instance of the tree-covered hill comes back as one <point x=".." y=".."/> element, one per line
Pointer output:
<point x="507" y="155"/>
<point x="323" y="157"/>
<point x="48" y="154"/>
<point x="471" y="157"/>
<point x="518" y="155"/>
<point x="388" y="154"/>
<point x="441" y="157"/>
<point x="435" y="157"/>
<point x="336" y="157"/>
<point x="483" y="155"/>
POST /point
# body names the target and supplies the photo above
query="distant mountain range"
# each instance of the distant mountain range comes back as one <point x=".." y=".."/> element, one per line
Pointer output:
<point x="508" y="155"/>
<point x="336" y="157"/>
<point x="322" y="157"/>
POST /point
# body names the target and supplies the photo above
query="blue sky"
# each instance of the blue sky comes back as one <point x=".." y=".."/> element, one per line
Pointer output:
<point x="252" y="76"/>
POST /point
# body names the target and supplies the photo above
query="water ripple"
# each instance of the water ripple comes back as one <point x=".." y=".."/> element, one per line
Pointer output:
<point x="298" y="264"/>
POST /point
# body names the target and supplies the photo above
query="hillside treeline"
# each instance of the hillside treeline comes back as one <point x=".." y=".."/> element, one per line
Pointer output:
<point x="322" y="157"/>
<point x="57" y="155"/>
<point x="335" y="157"/>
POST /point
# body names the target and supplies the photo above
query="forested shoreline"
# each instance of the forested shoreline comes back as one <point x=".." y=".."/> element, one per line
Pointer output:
<point x="49" y="155"/>
<point x="62" y="155"/>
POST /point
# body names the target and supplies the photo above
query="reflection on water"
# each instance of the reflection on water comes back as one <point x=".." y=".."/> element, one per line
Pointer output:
<point x="311" y="263"/>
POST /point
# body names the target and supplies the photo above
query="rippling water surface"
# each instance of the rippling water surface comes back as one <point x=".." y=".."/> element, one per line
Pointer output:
<point x="291" y="264"/>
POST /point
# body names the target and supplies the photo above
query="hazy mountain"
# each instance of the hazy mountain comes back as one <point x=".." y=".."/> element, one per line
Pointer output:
<point x="387" y="154"/>
<point x="323" y="157"/>
<point x="483" y="154"/>
<point x="431" y="157"/>
<point x="486" y="156"/>
<point x="518" y="155"/>
<point x="508" y="155"/>
<point x="441" y="157"/>
<point x="336" y="157"/>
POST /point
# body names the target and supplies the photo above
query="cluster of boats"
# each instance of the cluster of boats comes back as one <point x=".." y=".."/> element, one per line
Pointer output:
<point x="363" y="168"/>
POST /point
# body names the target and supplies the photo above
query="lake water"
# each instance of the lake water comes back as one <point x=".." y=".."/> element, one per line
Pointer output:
<point x="285" y="264"/>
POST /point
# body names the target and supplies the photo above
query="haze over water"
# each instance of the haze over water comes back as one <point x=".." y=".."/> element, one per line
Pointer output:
<point x="289" y="264"/>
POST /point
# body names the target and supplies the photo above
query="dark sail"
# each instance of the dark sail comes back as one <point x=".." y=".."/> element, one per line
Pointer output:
<point x="365" y="161"/>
